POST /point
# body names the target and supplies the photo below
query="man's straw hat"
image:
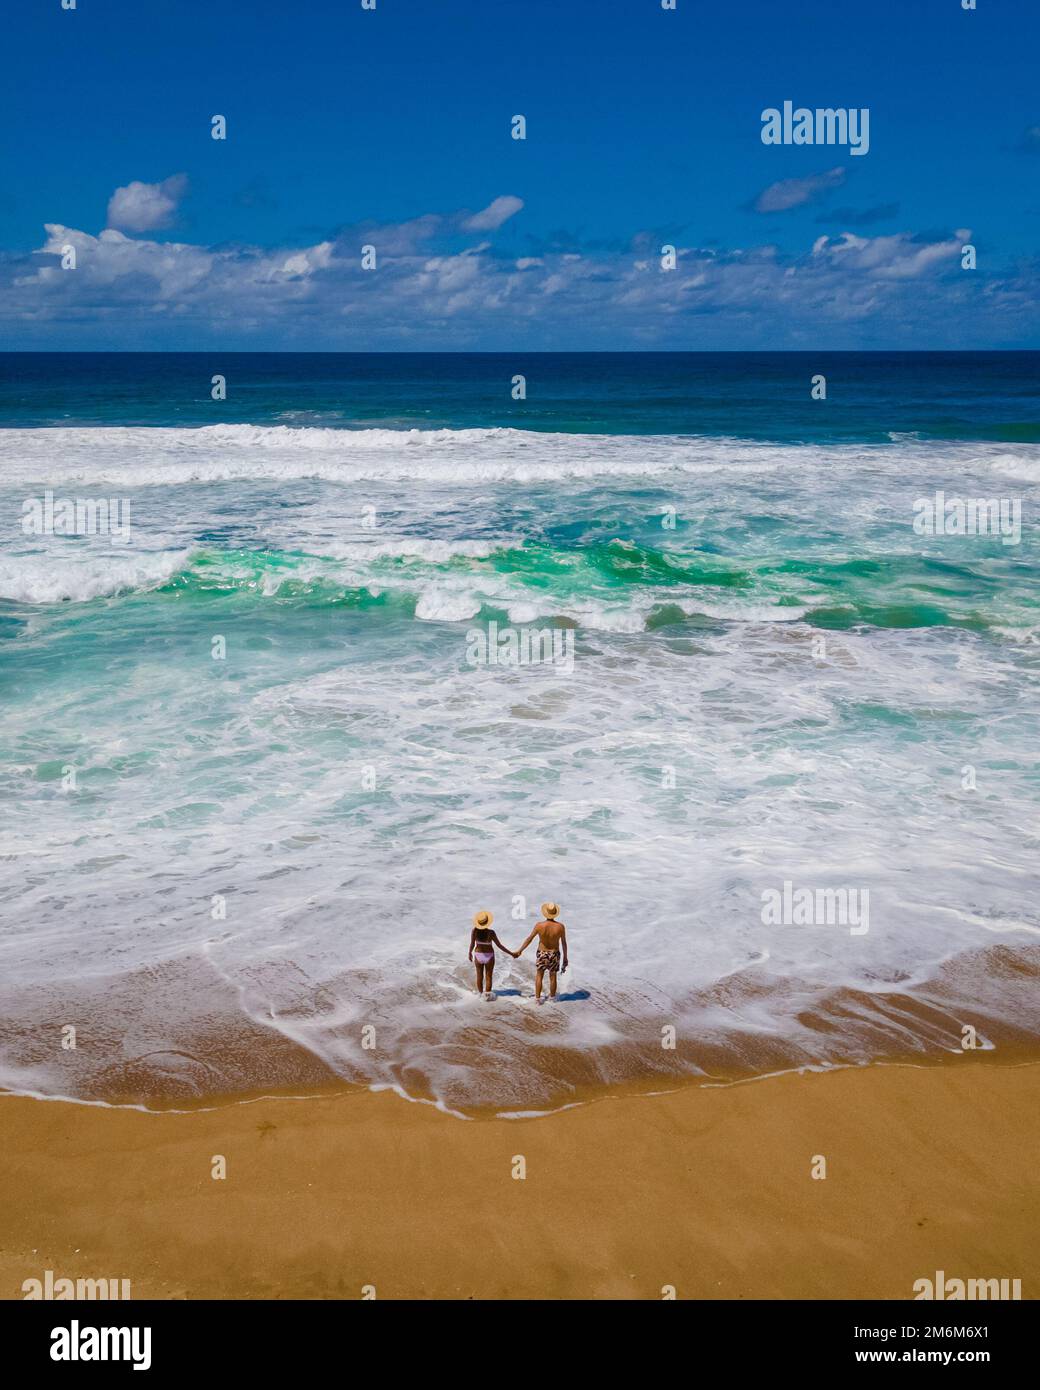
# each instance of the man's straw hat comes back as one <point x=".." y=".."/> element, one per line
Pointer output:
<point x="549" y="909"/>
<point x="483" y="919"/>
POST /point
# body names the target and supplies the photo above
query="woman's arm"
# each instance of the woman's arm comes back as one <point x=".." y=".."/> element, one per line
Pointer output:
<point x="472" y="938"/>
<point x="494" y="938"/>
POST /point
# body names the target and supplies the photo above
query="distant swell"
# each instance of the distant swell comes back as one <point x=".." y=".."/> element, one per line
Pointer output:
<point x="137" y="456"/>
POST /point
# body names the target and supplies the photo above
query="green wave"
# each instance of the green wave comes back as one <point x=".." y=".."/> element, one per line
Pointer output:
<point x="885" y="591"/>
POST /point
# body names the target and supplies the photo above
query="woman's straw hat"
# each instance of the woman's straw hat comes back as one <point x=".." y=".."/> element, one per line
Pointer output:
<point x="483" y="919"/>
<point x="549" y="909"/>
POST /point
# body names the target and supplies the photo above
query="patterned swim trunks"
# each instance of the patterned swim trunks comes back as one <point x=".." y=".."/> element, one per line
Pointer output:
<point x="548" y="960"/>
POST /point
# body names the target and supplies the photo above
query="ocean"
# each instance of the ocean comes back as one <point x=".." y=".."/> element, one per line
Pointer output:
<point x="267" y="744"/>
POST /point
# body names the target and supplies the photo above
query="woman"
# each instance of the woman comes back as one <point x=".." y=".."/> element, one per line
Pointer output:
<point x="482" y="941"/>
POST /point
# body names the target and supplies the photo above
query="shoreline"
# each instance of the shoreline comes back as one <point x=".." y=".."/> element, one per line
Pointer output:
<point x="1008" y="1056"/>
<point x="705" y="1188"/>
<point x="432" y="1050"/>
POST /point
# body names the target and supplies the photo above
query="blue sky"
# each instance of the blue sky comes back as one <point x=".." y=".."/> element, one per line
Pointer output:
<point x="392" y="127"/>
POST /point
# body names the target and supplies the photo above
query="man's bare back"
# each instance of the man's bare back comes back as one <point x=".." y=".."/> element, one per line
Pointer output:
<point x="552" y="941"/>
<point x="550" y="934"/>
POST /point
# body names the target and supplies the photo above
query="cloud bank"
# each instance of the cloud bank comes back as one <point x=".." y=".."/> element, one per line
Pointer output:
<point x="445" y="281"/>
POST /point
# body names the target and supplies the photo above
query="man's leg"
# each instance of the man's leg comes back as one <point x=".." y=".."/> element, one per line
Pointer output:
<point x="538" y="983"/>
<point x="552" y="984"/>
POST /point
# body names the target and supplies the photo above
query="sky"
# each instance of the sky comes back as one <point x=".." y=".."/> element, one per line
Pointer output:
<point x="392" y="128"/>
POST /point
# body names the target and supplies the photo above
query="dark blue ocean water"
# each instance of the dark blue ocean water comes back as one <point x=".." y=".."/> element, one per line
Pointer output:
<point x="765" y="396"/>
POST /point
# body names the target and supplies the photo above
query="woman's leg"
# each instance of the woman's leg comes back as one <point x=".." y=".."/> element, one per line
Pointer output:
<point x="480" y="977"/>
<point x="489" y="974"/>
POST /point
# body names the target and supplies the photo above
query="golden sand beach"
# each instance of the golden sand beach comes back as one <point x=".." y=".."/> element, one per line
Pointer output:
<point x="705" y="1190"/>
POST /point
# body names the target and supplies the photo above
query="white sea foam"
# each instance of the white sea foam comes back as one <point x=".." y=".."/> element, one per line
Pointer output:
<point x="91" y="574"/>
<point x="416" y="548"/>
<point x="140" y="457"/>
<point x="1024" y="466"/>
<point x="435" y="604"/>
<point x="144" y="457"/>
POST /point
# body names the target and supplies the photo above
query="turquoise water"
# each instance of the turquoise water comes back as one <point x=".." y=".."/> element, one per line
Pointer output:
<point x="256" y="787"/>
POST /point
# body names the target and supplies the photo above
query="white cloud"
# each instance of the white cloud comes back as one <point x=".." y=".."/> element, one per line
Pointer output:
<point x="891" y="257"/>
<point x="313" y="258"/>
<point x="492" y="217"/>
<point x="793" y="193"/>
<point x="146" y="207"/>
<point x="144" y="270"/>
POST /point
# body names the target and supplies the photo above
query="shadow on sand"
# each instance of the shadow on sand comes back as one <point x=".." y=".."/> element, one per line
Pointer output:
<point x="561" y="998"/>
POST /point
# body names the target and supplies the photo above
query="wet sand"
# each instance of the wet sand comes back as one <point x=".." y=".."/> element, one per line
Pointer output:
<point x="707" y="1190"/>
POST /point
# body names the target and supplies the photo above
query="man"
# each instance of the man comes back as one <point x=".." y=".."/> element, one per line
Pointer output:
<point x="552" y="938"/>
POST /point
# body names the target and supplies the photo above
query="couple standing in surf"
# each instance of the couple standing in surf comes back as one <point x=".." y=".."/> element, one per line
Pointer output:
<point x="552" y="940"/>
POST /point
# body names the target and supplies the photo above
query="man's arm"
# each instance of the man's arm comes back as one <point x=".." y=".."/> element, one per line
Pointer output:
<point x="527" y="943"/>
<point x="563" y="943"/>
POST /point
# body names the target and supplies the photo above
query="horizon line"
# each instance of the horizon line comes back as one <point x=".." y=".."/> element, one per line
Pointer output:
<point x="508" y="352"/>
